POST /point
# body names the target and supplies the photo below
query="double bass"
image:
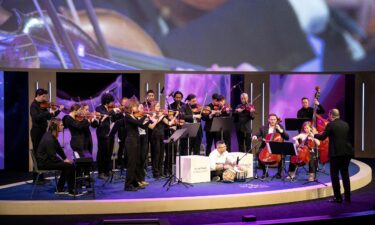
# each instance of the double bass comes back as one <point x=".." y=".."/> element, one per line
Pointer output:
<point x="265" y="156"/>
<point x="320" y="124"/>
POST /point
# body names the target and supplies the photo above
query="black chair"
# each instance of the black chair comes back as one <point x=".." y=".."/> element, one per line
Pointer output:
<point x="84" y="171"/>
<point x="39" y="172"/>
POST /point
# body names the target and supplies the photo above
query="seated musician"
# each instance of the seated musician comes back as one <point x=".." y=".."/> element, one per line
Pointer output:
<point x="47" y="159"/>
<point x="303" y="139"/>
<point x="220" y="161"/>
<point x="273" y="127"/>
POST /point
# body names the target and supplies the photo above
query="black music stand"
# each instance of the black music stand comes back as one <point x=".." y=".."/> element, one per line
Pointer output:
<point x="295" y="123"/>
<point x="173" y="139"/>
<point x="221" y="124"/>
<point x="283" y="149"/>
<point x="191" y="132"/>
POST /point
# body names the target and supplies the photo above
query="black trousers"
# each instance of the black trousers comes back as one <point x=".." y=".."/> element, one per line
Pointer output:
<point x="227" y="139"/>
<point x="67" y="174"/>
<point x="211" y="137"/>
<point x="141" y="171"/>
<point x="157" y="154"/>
<point x="195" y="143"/>
<point x="121" y="155"/>
<point x="36" y="135"/>
<point x="243" y="139"/>
<point x="103" y="157"/>
<point x="340" y="165"/>
<point x="170" y="155"/>
<point x="132" y="145"/>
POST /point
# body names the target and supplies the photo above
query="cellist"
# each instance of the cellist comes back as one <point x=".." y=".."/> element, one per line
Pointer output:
<point x="305" y="138"/>
<point x="273" y="127"/>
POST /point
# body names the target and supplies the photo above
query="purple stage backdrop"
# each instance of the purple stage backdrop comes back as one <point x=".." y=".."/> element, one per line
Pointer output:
<point x="115" y="89"/>
<point x="1" y="119"/>
<point x="286" y="92"/>
<point x="201" y="85"/>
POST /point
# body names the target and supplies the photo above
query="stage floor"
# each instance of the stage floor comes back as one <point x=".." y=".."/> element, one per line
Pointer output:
<point x="111" y="198"/>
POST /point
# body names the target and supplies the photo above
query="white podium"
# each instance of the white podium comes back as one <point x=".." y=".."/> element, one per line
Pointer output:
<point x="246" y="162"/>
<point x="194" y="169"/>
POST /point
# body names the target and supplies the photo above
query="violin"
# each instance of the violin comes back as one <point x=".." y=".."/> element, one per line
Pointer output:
<point x="197" y="109"/>
<point x="88" y="116"/>
<point x="48" y="105"/>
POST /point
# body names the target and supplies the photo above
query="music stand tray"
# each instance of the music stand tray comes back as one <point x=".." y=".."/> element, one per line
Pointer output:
<point x="282" y="148"/>
<point x="191" y="129"/>
<point x="295" y="123"/>
<point x="221" y="124"/>
<point x="174" y="138"/>
<point x="192" y="132"/>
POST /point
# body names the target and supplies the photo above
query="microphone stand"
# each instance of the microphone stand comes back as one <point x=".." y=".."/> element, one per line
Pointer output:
<point x="257" y="145"/>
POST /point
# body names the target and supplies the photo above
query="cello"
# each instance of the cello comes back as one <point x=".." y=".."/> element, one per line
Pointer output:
<point x="320" y="124"/>
<point x="265" y="156"/>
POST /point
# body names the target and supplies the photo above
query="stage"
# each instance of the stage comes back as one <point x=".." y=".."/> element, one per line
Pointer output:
<point x="111" y="199"/>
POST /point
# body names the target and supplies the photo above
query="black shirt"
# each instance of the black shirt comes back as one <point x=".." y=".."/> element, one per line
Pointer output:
<point x="243" y="119"/>
<point x="308" y="112"/>
<point x="48" y="148"/>
<point x="39" y="116"/>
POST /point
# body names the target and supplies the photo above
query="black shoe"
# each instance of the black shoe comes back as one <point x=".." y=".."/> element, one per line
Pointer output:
<point x="335" y="200"/>
<point x="278" y="176"/>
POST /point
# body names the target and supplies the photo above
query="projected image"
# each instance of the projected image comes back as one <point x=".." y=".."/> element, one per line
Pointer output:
<point x="1" y="120"/>
<point x="241" y="35"/>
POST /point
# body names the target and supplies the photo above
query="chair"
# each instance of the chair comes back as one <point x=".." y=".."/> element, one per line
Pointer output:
<point x="82" y="166"/>
<point x="39" y="172"/>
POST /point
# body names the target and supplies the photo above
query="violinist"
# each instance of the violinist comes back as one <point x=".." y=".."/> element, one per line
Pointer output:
<point x="243" y="115"/>
<point x="121" y="154"/>
<point x="304" y="139"/>
<point x="135" y="170"/>
<point x="150" y="97"/>
<point x="102" y="130"/>
<point x="78" y="125"/>
<point x="39" y="117"/>
<point x="177" y="104"/>
<point x="272" y="127"/>
<point x="213" y="111"/>
<point x="225" y="111"/>
<point x="192" y="114"/>
<point x="175" y="107"/>
<point x="306" y="111"/>
<point x="94" y="121"/>
<point x="157" y="145"/>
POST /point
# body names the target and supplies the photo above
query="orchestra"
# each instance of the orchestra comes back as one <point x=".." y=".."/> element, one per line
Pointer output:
<point x="142" y="128"/>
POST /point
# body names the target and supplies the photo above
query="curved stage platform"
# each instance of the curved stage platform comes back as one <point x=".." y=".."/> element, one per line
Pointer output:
<point x="111" y="199"/>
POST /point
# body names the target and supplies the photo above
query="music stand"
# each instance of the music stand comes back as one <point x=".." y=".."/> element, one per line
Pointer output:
<point x="191" y="132"/>
<point x="221" y="124"/>
<point x="173" y="139"/>
<point x="295" y="123"/>
<point x="282" y="148"/>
